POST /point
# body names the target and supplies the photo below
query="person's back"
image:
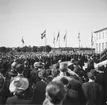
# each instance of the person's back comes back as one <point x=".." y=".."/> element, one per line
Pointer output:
<point x="16" y="100"/>
<point x="39" y="93"/>
<point x="93" y="93"/>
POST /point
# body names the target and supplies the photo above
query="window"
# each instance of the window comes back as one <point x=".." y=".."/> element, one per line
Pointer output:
<point x="106" y="34"/>
<point x="99" y="36"/>
<point x="102" y="46"/>
<point x="103" y="34"/>
<point x="99" y="47"/>
<point x="106" y="44"/>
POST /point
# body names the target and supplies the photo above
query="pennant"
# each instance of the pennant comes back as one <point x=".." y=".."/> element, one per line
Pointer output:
<point x="64" y="37"/>
<point x="79" y="36"/>
<point x="43" y="34"/>
<point x="58" y="36"/>
<point x="54" y="39"/>
<point x="22" y="40"/>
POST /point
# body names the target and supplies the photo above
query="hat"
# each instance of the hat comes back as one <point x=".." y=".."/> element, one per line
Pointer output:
<point x="42" y="74"/>
<point x="18" y="83"/>
<point x="14" y="64"/>
<point x="19" y="68"/>
<point x="38" y="64"/>
<point x="63" y="66"/>
<point x="72" y="60"/>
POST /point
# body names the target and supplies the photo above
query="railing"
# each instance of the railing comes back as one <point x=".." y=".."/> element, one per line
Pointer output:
<point x="103" y="54"/>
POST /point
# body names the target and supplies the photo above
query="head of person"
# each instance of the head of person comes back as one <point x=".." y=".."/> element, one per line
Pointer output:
<point x="19" y="85"/>
<point x="38" y="65"/>
<point x="92" y="74"/>
<point x="64" y="80"/>
<point x="42" y="74"/>
<point x="19" y="68"/>
<point x="49" y="78"/>
<point x="13" y="66"/>
<point x="72" y="61"/>
<point x="55" y="92"/>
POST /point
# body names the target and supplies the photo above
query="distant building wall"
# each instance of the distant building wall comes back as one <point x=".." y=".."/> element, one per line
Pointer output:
<point x="100" y="40"/>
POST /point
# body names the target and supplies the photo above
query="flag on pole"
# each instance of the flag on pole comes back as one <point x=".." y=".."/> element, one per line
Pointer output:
<point x="43" y="34"/>
<point x="58" y="36"/>
<point x="79" y="36"/>
<point x="22" y="40"/>
<point x="64" y="37"/>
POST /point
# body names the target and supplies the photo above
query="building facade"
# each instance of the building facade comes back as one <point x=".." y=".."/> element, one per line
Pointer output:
<point x="100" y="40"/>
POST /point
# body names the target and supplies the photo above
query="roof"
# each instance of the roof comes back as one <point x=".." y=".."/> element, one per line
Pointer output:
<point x="103" y="29"/>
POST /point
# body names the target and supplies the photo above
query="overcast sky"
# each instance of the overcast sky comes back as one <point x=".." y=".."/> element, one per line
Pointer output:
<point x="29" y="18"/>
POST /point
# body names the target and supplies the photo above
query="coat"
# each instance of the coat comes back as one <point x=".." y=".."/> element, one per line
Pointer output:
<point x="93" y="93"/>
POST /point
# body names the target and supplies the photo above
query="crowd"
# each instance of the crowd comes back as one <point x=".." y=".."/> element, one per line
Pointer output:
<point x="52" y="79"/>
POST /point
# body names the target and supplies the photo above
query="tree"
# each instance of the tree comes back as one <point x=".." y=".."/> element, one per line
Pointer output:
<point x="48" y="48"/>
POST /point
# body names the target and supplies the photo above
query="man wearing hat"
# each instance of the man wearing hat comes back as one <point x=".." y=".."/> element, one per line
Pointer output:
<point x="40" y="86"/>
<point x="34" y="73"/>
<point x="92" y="90"/>
<point x="64" y="71"/>
<point x="71" y="66"/>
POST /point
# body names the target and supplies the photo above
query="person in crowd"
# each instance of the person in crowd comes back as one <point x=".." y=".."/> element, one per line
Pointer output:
<point x="55" y="94"/>
<point x="34" y="73"/>
<point x="71" y="66"/>
<point x="92" y="90"/>
<point x="18" y="87"/>
<point x="27" y="70"/>
<point x="2" y="90"/>
<point x="39" y="90"/>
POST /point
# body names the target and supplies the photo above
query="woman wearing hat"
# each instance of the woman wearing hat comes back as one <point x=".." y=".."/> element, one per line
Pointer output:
<point x="18" y="87"/>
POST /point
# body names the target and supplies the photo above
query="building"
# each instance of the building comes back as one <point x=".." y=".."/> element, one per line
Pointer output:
<point x="100" y="40"/>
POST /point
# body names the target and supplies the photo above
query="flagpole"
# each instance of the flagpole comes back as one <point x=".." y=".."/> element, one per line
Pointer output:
<point x="59" y="39"/>
<point x="45" y="42"/>
<point x="79" y="39"/>
<point x="91" y="39"/>
<point x="22" y="42"/>
<point x="66" y="40"/>
<point x="54" y="41"/>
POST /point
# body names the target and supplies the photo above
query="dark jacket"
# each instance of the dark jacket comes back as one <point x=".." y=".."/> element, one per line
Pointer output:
<point x="39" y="93"/>
<point x="93" y="93"/>
<point x="15" y="100"/>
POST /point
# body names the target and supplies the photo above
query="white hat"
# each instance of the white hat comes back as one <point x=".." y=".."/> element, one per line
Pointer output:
<point x="18" y="83"/>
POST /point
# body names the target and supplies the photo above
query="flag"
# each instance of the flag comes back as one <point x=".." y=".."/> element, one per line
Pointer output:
<point x="58" y="36"/>
<point x="79" y="36"/>
<point x="22" y="40"/>
<point x="64" y="37"/>
<point x="54" y="39"/>
<point x="92" y="42"/>
<point x="43" y="34"/>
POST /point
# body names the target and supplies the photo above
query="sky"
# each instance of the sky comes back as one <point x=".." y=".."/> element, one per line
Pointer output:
<point x="29" y="18"/>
